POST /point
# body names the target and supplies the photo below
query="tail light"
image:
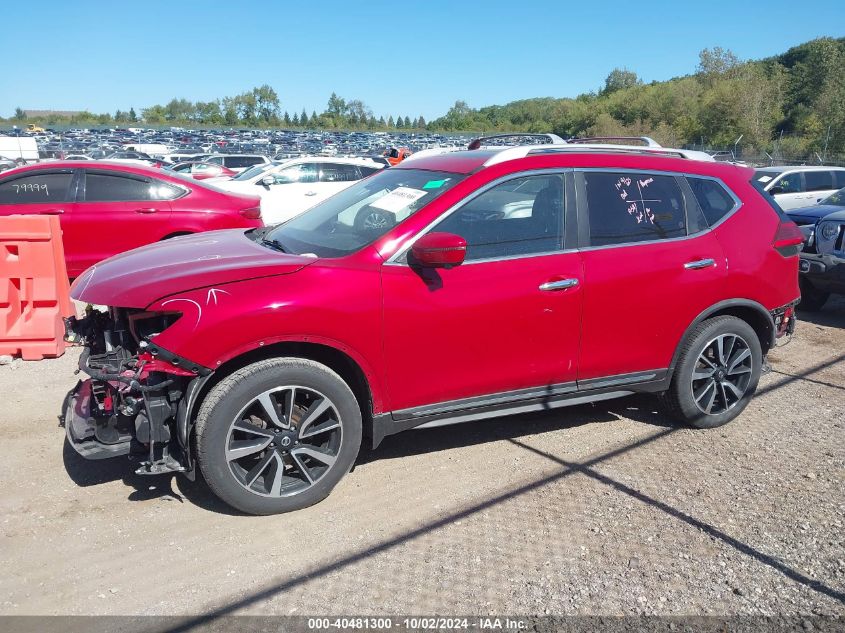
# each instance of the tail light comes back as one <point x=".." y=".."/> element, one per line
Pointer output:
<point x="787" y="238"/>
<point x="253" y="213"/>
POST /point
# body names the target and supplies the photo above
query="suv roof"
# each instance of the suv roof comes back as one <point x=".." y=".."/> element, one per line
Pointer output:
<point x="489" y="150"/>
<point x="779" y="169"/>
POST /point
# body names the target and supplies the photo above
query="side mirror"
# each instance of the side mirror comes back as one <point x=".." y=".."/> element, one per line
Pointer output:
<point x="439" y="250"/>
<point x="775" y="190"/>
<point x="267" y="181"/>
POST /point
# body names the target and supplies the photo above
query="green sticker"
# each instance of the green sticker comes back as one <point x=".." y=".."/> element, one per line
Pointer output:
<point x="435" y="184"/>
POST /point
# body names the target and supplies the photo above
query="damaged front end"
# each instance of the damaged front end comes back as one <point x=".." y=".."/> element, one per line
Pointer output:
<point x="137" y="398"/>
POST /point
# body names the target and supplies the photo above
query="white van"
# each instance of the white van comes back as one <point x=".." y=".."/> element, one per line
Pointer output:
<point x="796" y="187"/>
<point x="15" y="147"/>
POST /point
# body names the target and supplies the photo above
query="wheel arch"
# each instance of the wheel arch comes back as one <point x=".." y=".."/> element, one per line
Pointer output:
<point x="335" y="359"/>
<point x="747" y="310"/>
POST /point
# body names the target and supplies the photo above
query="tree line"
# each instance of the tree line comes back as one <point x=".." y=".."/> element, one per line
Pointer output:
<point x="793" y="103"/>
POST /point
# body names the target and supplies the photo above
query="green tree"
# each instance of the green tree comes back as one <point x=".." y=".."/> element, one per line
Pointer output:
<point x="295" y="120"/>
<point x="20" y="115"/>
<point x="619" y="79"/>
<point x="133" y="117"/>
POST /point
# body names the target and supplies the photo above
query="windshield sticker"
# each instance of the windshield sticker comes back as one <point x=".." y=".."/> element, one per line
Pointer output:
<point x="398" y="199"/>
<point x="764" y="178"/>
<point x="435" y="184"/>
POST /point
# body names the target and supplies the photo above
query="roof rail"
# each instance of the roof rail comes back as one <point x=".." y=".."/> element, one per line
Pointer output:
<point x="647" y="140"/>
<point x="512" y="153"/>
<point x="551" y="139"/>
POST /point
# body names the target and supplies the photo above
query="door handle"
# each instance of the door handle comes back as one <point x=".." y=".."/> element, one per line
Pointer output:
<point x="52" y="212"/>
<point x="146" y="210"/>
<point x="561" y="284"/>
<point x="311" y="193"/>
<point x="700" y="263"/>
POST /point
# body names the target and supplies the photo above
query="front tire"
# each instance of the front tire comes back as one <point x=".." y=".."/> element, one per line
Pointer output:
<point x="717" y="373"/>
<point x="277" y="435"/>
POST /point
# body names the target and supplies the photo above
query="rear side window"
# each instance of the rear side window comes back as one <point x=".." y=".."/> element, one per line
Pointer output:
<point x="238" y="162"/>
<point x="839" y="179"/>
<point x="37" y="188"/>
<point x="369" y="171"/>
<point x="335" y="172"/>
<point x="627" y="207"/>
<point x="712" y="199"/>
<point x="113" y="188"/>
<point x="818" y="180"/>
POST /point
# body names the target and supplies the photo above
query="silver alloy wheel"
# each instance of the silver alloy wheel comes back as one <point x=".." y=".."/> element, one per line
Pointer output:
<point x="284" y="441"/>
<point x="721" y="374"/>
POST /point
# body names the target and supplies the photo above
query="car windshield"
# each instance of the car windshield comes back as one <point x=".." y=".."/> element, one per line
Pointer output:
<point x="360" y="214"/>
<point x="836" y="199"/>
<point x="252" y="172"/>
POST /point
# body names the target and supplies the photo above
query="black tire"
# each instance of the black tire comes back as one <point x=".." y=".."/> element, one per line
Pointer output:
<point x="812" y="299"/>
<point x="680" y="399"/>
<point x="227" y="403"/>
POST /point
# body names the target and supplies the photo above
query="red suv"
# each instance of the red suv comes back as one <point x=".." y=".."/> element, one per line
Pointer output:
<point x="449" y="288"/>
<point x="108" y="208"/>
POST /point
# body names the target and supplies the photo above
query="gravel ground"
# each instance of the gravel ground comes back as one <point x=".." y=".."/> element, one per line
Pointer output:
<point x="605" y="509"/>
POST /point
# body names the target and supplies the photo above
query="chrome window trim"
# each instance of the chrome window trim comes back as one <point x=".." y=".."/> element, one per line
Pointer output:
<point x="672" y="174"/>
<point x="392" y="261"/>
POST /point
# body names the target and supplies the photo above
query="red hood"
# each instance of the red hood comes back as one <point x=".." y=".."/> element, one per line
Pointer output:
<point x="139" y="277"/>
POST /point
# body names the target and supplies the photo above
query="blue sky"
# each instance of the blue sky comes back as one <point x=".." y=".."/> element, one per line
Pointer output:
<point x="400" y="58"/>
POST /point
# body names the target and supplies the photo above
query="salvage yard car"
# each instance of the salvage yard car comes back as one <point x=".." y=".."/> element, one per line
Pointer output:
<point x="823" y="261"/>
<point x="264" y="357"/>
<point x="794" y="187"/>
<point x="291" y="187"/>
<point x="109" y="208"/>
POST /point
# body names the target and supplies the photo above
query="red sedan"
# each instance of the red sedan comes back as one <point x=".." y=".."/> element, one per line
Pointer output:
<point x="109" y="208"/>
<point x="199" y="170"/>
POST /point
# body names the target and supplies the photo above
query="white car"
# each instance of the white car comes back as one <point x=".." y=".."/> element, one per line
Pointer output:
<point x="237" y="162"/>
<point x="289" y="188"/>
<point x="795" y="187"/>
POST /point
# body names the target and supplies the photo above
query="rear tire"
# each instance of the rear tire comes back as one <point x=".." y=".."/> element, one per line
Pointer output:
<point x="812" y="299"/>
<point x="277" y="435"/>
<point x="716" y="375"/>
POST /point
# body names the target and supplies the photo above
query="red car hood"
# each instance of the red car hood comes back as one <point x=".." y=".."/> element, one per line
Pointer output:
<point x="139" y="277"/>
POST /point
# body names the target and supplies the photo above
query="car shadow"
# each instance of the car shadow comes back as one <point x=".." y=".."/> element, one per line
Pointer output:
<point x="641" y="408"/>
<point x="831" y="315"/>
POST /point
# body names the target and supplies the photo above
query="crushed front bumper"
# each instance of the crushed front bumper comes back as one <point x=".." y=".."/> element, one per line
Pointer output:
<point x="90" y="436"/>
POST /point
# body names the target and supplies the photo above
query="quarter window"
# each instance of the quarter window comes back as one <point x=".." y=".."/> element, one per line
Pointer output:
<point x="519" y="217"/>
<point x="113" y="188"/>
<point x="37" y="188"/>
<point x="633" y="207"/>
<point x="712" y="199"/>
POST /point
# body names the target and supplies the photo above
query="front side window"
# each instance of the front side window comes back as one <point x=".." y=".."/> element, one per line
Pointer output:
<point x="361" y="213"/>
<point x="303" y="172"/>
<point x="36" y="188"/>
<point x="627" y="207"/>
<point x="818" y="180"/>
<point x="522" y="216"/>
<point x="790" y="183"/>
<point x="114" y="188"/>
